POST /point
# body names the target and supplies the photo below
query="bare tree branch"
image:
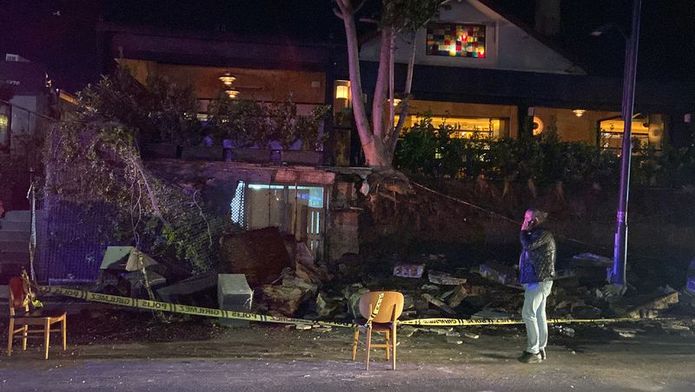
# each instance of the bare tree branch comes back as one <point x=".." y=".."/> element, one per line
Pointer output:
<point x="359" y="6"/>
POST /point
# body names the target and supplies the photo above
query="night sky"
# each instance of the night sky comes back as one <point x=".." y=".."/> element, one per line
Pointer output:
<point x="62" y="33"/>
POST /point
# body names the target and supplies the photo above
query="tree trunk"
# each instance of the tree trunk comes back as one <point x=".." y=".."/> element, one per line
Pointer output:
<point x="380" y="90"/>
<point x="392" y="49"/>
<point x="361" y="121"/>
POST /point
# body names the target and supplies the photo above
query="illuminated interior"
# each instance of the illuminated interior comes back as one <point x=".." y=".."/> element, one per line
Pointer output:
<point x="465" y="127"/>
<point x="342" y="95"/>
<point x="294" y="209"/>
<point x="646" y="132"/>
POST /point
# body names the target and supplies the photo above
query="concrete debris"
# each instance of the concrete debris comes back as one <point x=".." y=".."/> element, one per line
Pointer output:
<point x="409" y="270"/>
<point x="459" y="294"/>
<point x="286" y="298"/>
<point x="406" y="331"/>
<point x="195" y="284"/>
<point x="446" y="295"/>
<point x="234" y="293"/>
<point x="625" y="332"/>
<point x="645" y="306"/>
<point x="441" y="305"/>
<point x="445" y="279"/>
<point x="593" y="260"/>
<point x="490" y="314"/>
<point x="306" y="267"/>
<point x="498" y="272"/>
<point x="471" y="335"/>
<point x="565" y="330"/>
<point x="302" y="327"/>
<point x="121" y="272"/>
<point x="125" y="258"/>
<point x="326" y="306"/>
<point x="137" y="283"/>
<point x="352" y="294"/>
<point x="678" y="327"/>
<point x="586" y="311"/>
<point x="437" y="331"/>
<point x="309" y="291"/>
<point x="430" y="288"/>
<point x="477" y="290"/>
<point x="454" y="337"/>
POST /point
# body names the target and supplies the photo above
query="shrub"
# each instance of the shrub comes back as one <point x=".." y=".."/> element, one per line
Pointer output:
<point x="428" y="150"/>
<point x="249" y="123"/>
<point x="159" y="111"/>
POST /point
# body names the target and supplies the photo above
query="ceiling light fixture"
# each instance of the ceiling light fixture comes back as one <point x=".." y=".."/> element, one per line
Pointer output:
<point x="227" y="79"/>
<point x="578" y="112"/>
<point x="231" y="93"/>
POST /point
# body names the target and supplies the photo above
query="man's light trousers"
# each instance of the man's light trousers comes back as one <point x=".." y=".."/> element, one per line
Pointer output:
<point x="533" y="314"/>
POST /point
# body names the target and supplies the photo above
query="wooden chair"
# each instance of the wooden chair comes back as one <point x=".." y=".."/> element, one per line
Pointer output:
<point x="384" y="322"/>
<point x="21" y="318"/>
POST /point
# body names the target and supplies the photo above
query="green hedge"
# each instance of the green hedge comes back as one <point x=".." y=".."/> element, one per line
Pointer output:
<point x="434" y="151"/>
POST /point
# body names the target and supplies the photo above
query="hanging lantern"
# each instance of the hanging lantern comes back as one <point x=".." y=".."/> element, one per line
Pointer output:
<point x="231" y="93"/>
<point x="227" y="79"/>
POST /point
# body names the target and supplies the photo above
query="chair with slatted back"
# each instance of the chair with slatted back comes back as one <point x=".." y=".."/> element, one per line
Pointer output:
<point x="21" y="319"/>
<point x="384" y="322"/>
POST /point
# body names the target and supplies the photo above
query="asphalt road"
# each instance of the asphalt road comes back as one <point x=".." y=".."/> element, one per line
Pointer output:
<point x="278" y="359"/>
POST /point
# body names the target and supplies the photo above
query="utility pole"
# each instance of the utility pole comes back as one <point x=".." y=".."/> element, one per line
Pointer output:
<point x="617" y="274"/>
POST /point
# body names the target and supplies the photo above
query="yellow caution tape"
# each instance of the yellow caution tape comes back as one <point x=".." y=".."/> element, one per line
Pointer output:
<point x="375" y="311"/>
<point x="231" y="314"/>
<point x="184" y="309"/>
<point x="450" y="322"/>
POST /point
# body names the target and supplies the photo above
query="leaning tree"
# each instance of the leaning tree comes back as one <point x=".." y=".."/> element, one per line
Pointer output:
<point x="379" y="135"/>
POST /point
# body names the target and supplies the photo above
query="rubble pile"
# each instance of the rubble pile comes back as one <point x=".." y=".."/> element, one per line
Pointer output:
<point x="432" y="286"/>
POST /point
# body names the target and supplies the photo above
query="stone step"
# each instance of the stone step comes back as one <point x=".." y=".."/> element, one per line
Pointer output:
<point x="14" y="235"/>
<point x="13" y="246"/>
<point x="15" y="225"/>
<point x="17" y="216"/>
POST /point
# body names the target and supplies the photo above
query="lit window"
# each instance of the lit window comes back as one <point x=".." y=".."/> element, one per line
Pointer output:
<point x="465" y="127"/>
<point x="611" y="135"/>
<point x="456" y="40"/>
<point x="295" y="210"/>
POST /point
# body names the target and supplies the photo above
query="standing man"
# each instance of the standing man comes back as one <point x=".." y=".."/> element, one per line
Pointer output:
<point x="536" y="273"/>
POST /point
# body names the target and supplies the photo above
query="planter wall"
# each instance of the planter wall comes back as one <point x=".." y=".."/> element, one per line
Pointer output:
<point x="253" y="155"/>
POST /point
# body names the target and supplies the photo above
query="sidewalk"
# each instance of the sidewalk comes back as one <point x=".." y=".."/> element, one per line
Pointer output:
<point x="284" y="359"/>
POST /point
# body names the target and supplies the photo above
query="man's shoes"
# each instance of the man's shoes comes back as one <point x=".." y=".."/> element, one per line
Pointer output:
<point x="527" y="357"/>
<point x="542" y="353"/>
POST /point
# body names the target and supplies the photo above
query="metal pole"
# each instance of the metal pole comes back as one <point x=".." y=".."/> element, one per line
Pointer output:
<point x="617" y="275"/>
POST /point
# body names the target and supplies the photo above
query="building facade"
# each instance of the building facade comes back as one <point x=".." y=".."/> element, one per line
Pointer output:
<point x="493" y="77"/>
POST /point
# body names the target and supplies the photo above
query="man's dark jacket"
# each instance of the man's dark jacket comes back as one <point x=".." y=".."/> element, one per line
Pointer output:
<point x="537" y="261"/>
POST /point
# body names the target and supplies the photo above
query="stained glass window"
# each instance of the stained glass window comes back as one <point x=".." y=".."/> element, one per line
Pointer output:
<point x="456" y="40"/>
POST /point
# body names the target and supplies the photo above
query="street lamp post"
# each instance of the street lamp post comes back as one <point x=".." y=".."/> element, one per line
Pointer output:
<point x="617" y="273"/>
